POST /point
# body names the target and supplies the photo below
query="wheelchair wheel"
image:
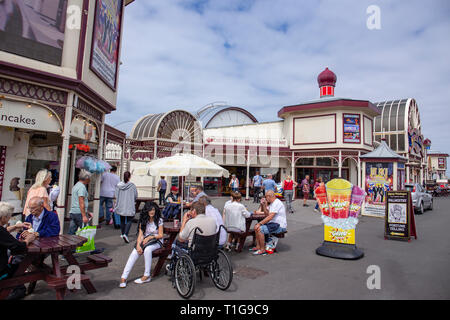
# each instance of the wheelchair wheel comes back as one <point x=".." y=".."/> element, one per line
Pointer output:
<point x="221" y="271"/>
<point x="185" y="276"/>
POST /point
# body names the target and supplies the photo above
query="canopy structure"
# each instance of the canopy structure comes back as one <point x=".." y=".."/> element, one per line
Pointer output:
<point x="182" y="164"/>
<point x="383" y="152"/>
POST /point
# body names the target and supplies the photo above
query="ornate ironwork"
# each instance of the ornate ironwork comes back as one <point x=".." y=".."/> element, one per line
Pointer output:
<point x="32" y="91"/>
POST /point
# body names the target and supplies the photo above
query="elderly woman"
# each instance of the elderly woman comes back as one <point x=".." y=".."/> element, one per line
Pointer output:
<point x="39" y="189"/>
<point x="8" y="242"/>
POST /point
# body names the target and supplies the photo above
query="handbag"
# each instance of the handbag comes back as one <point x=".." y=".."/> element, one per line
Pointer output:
<point x="151" y="242"/>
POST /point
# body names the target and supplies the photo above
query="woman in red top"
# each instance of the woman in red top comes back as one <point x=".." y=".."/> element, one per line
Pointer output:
<point x="288" y="188"/>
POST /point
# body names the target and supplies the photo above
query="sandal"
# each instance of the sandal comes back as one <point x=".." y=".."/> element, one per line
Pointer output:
<point x="260" y="253"/>
<point x="253" y="249"/>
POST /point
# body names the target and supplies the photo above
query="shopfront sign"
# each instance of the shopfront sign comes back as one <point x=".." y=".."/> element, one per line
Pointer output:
<point x="245" y="141"/>
<point x="441" y="163"/>
<point x="17" y="114"/>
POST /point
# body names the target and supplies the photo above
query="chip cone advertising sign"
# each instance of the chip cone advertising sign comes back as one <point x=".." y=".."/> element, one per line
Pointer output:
<point x="340" y="203"/>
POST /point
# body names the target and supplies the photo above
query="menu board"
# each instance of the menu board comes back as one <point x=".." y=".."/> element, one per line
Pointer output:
<point x="398" y="215"/>
<point x="379" y="180"/>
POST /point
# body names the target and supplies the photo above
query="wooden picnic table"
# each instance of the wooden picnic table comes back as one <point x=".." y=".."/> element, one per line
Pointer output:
<point x="248" y="231"/>
<point x="32" y="268"/>
<point x="163" y="253"/>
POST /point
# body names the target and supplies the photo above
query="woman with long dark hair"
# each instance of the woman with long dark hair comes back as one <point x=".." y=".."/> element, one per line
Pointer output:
<point x="149" y="239"/>
<point x="126" y="194"/>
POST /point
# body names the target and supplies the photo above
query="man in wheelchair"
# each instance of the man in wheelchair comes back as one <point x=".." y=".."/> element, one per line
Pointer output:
<point x="196" y="249"/>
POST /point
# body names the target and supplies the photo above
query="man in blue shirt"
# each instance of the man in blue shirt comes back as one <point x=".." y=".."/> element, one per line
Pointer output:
<point x="44" y="223"/>
<point x="269" y="184"/>
<point x="256" y="185"/>
<point x="79" y="214"/>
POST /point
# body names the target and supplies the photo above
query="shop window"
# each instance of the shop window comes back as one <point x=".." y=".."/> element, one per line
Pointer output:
<point x="393" y="142"/>
<point x="378" y="124"/>
<point x="305" y="162"/>
<point x="386" y="114"/>
<point x="401" y="116"/>
<point x="326" y="162"/>
<point x="345" y="163"/>
<point x="401" y="143"/>
<point x="393" y="122"/>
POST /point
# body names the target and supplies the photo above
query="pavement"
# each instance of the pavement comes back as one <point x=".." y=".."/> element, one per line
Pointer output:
<point x="409" y="270"/>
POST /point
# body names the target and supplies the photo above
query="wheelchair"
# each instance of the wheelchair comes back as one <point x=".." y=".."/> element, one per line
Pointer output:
<point x="203" y="256"/>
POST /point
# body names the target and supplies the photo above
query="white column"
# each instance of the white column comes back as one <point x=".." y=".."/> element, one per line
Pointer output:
<point x="359" y="170"/>
<point x="248" y="176"/>
<point x="96" y="206"/>
<point x="60" y="204"/>
<point x="293" y="172"/>
<point x="122" y="157"/>
<point x="407" y="173"/>
<point x="395" y="176"/>
<point x="340" y="163"/>
<point x="421" y="175"/>
<point x="71" y="176"/>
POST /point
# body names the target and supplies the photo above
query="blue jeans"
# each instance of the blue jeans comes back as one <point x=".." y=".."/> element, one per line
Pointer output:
<point x="171" y="210"/>
<point x="76" y="221"/>
<point x="162" y="197"/>
<point x="272" y="228"/>
<point x="105" y="204"/>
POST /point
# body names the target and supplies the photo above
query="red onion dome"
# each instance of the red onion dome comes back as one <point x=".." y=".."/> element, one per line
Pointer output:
<point x="326" y="78"/>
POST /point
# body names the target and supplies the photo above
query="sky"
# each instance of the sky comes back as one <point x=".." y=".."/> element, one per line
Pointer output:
<point x="262" y="55"/>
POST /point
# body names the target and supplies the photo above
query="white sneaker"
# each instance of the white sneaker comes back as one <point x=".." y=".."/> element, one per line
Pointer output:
<point x="140" y="281"/>
<point x="125" y="238"/>
<point x="123" y="284"/>
<point x="121" y="236"/>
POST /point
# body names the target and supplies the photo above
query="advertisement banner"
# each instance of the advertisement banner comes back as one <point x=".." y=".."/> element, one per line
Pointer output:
<point x="105" y="40"/>
<point x="338" y="235"/>
<point x="398" y="213"/>
<point x="33" y="29"/>
<point x="379" y="180"/>
<point x="352" y="128"/>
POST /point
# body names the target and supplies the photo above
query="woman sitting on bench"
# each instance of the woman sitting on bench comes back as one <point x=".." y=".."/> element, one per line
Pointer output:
<point x="149" y="239"/>
<point x="234" y="217"/>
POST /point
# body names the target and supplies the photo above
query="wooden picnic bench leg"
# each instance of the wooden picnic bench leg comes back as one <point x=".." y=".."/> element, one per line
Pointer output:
<point x="32" y="285"/>
<point x="241" y="242"/>
<point x="159" y="265"/>
<point x="23" y="266"/>
<point x="60" y="293"/>
<point x="87" y="284"/>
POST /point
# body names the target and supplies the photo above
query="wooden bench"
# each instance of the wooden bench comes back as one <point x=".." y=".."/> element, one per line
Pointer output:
<point x="241" y="236"/>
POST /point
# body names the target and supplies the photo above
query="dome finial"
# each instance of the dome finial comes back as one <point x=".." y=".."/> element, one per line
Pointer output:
<point x="327" y="81"/>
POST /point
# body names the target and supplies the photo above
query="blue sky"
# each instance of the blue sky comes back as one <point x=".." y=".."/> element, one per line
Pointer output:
<point x="264" y="54"/>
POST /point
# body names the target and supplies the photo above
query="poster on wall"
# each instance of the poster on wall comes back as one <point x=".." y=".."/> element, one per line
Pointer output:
<point x="441" y="163"/>
<point x="105" y="40"/>
<point x="379" y="180"/>
<point x="352" y="128"/>
<point x="33" y="28"/>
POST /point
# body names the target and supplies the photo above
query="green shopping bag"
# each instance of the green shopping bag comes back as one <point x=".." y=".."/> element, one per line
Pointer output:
<point x="87" y="232"/>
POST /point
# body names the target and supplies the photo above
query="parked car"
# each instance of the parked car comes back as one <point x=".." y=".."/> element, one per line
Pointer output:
<point x="420" y="198"/>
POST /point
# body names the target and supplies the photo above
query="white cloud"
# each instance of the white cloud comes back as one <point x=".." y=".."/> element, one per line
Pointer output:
<point x="265" y="54"/>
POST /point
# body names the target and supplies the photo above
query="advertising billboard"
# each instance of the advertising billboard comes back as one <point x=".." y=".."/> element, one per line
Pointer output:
<point x="352" y="128"/>
<point x="105" y="40"/>
<point x="33" y="28"/>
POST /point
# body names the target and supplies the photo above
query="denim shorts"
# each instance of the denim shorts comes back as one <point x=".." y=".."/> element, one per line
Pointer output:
<point x="272" y="228"/>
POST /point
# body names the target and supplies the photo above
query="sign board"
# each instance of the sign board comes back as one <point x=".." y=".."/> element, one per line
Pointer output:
<point x="399" y="218"/>
<point x="83" y="129"/>
<point x="338" y="235"/>
<point x="2" y="167"/>
<point x="379" y="180"/>
<point x="17" y="114"/>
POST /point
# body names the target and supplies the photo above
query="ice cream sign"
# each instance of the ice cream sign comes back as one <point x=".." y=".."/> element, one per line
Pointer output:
<point x="340" y="203"/>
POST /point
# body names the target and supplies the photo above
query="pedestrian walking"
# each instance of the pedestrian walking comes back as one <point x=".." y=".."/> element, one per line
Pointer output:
<point x="256" y="185"/>
<point x="288" y="187"/>
<point x="316" y="185"/>
<point x="109" y="182"/>
<point x="162" y="188"/>
<point x="79" y="215"/>
<point x="126" y="194"/>
<point x="305" y="186"/>
<point x="234" y="183"/>
<point x="269" y="184"/>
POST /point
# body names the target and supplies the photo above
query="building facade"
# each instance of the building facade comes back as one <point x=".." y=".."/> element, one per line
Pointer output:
<point x="320" y="138"/>
<point x="59" y="65"/>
